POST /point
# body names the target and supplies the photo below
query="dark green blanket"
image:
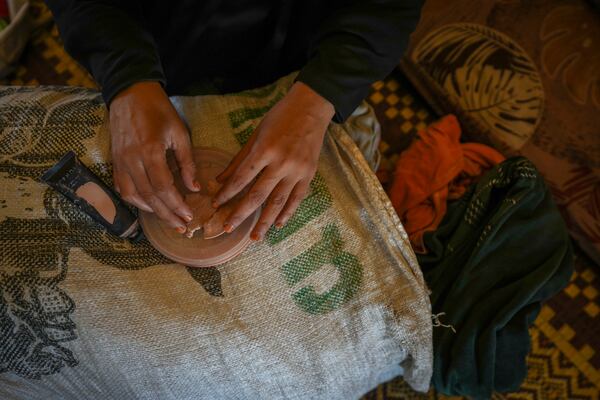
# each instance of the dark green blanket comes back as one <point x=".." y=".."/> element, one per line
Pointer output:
<point x="498" y="254"/>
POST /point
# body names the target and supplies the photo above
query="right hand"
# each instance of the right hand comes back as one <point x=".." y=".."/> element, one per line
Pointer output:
<point x="143" y="126"/>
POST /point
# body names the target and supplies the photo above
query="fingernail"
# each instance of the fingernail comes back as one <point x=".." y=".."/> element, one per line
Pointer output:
<point x="188" y="218"/>
<point x="228" y="227"/>
<point x="215" y="204"/>
<point x="180" y="229"/>
<point x="279" y="225"/>
<point x="255" y="236"/>
<point x="197" y="185"/>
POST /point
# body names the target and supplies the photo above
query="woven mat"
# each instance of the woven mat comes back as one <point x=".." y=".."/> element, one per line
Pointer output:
<point x="564" y="362"/>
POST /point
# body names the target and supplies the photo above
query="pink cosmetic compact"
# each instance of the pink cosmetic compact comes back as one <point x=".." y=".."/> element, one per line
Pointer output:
<point x="198" y="251"/>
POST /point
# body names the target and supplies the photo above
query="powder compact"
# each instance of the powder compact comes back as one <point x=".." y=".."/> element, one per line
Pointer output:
<point x="198" y="251"/>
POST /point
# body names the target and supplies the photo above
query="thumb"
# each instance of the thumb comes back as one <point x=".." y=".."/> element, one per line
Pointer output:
<point x="183" y="154"/>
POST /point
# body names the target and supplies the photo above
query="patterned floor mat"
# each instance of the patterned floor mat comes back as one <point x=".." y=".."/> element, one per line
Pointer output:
<point x="564" y="362"/>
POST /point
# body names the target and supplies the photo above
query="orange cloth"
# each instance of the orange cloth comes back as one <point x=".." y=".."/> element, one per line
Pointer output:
<point x="434" y="169"/>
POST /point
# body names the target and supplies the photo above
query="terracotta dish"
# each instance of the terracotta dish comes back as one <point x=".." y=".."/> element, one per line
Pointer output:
<point x="198" y="251"/>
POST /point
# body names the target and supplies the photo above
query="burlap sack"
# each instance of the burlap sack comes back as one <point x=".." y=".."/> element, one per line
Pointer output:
<point x="328" y="307"/>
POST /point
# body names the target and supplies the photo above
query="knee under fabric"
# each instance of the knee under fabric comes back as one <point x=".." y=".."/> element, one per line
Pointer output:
<point x="327" y="307"/>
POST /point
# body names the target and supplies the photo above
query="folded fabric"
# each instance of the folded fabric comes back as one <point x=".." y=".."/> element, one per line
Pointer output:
<point x="435" y="168"/>
<point x="365" y="130"/>
<point x="500" y="251"/>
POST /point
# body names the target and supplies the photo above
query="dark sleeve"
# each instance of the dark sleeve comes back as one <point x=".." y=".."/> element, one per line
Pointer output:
<point x="357" y="46"/>
<point x="108" y="38"/>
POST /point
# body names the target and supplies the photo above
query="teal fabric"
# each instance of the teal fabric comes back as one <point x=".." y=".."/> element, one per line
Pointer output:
<point x="499" y="253"/>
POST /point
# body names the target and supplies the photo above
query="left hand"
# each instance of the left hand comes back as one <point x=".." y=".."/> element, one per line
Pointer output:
<point x="282" y="154"/>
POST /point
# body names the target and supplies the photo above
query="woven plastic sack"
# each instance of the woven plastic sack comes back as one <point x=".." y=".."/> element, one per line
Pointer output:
<point x="327" y="307"/>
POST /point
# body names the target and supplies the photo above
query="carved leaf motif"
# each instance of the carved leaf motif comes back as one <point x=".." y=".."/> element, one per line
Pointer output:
<point x="498" y="97"/>
<point x="488" y="76"/>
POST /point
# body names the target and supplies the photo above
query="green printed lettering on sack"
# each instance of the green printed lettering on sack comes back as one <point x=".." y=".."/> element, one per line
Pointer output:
<point x="318" y="200"/>
<point x="241" y="115"/>
<point x="244" y="135"/>
<point x="329" y="250"/>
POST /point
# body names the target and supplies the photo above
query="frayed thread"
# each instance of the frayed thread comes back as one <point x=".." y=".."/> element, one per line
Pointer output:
<point x="438" y="323"/>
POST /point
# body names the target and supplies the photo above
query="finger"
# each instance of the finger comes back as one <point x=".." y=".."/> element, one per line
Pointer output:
<point x="146" y="192"/>
<point x="252" y="200"/>
<point x="298" y="194"/>
<point x="233" y="164"/>
<point x="182" y="148"/>
<point x="247" y="170"/>
<point x="129" y="193"/>
<point x="273" y="208"/>
<point x="163" y="184"/>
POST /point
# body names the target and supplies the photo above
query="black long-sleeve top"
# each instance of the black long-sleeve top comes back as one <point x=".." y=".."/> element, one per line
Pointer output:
<point x="339" y="46"/>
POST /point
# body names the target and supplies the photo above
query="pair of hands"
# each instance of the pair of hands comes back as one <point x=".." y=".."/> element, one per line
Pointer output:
<point x="278" y="161"/>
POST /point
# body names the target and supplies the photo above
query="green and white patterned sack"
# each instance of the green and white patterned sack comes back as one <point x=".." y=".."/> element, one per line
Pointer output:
<point x="327" y="307"/>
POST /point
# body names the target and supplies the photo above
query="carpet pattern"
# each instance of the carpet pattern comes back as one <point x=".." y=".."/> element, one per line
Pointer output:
<point x="564" y="362"/>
